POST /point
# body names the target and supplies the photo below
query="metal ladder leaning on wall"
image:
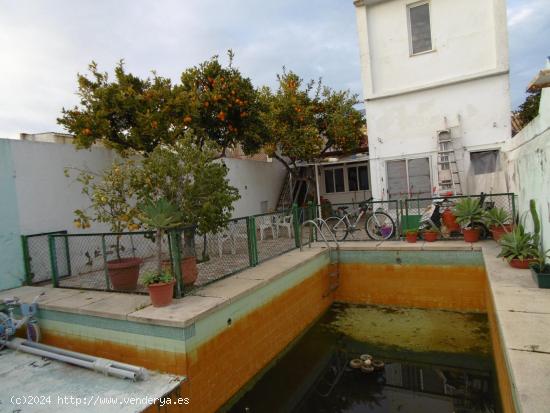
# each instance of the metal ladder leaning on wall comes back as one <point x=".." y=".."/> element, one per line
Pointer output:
<point x="447" y="167"/>
<point x="334" y="254"/>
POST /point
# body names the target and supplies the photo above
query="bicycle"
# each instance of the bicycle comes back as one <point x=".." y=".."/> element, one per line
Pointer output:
<point x="9" y="324"/>
<point x="378" y="224"/>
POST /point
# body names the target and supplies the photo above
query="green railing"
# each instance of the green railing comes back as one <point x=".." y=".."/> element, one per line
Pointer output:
<point x="36" y="257"/>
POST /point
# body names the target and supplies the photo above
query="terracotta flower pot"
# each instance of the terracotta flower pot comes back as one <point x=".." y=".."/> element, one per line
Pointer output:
<point x="161" y="294"/>
<point x="411" y="237"/>
<point x="124" y="273"/>
<point x="430" y="236"/>
<point x="188" y="267"/>
<point x="522" y="264"/>
<point x="499" y="231"/>
<point x="471" y="234"/>
<point x="449" y="220"/>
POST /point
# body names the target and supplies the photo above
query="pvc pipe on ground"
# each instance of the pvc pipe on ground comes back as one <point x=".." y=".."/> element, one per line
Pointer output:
<point x="105" y="366"/>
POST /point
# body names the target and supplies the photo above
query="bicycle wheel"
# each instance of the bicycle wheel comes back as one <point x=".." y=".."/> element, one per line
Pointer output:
<point x="338" y="227"/>
<point x="33" y="332"/>
<point x="380" y="226"/>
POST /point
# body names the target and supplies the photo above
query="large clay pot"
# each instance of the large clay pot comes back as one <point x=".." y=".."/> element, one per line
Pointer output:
<point x="449" y="220"/>
<point x="471" y="234"/>
<point x="124" y="273"/>
<point x="188" y="267"/>
<point x="161" y="294"/>
<point x="522" y="264"/>
<point x="499" y="231"/>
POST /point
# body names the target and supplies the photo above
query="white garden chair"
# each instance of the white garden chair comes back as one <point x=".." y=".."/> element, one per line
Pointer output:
<point x="284" y="222"/>
<point x="231" y="234"/>
<point x="266" y="222"/>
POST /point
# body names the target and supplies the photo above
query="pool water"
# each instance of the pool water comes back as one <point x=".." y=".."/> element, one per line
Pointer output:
<point x="434" y="361"/>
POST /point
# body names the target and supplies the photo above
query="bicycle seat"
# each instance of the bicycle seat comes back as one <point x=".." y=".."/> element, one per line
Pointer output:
<point x="10" y="300"/>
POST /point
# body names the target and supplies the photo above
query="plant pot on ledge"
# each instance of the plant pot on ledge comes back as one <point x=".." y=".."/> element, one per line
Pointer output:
<point x="430" y="236"/>
<point x="161" y="294"/>
<point x="542" y="278"/>
<point x="521" y="264"/>
<point x="411" y="236"/>
<point x="471" y="234"/>
<point x="124" y="273"/>
<point x="499" y="230"/>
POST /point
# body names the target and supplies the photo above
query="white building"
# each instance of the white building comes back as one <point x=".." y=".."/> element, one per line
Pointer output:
<point x="433" y="71"/>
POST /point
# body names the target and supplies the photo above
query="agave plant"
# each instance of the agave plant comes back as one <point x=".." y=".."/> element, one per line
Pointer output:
<point x="496" y="217"/>
<point x="467" y="212"/>
<point x="160" y="215"/>
<point x="518" y="244"/>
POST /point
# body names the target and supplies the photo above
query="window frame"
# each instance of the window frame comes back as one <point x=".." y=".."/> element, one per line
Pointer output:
<point x="409" y="28"/>
<point x="357" y="174"/>
<point x="333" y="177"/>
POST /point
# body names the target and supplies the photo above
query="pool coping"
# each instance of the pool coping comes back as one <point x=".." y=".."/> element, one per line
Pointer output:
<point x="522" y="310"/>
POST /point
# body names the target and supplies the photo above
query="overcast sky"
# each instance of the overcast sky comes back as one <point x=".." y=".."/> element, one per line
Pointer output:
<point x="44" y="43"/>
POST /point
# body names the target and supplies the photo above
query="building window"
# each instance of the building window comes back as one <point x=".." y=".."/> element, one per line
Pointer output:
<point x="420" y="34"/>
<point x="484" y="162"/>
<point x="358" y="178"/>
<point x="334" y="180"/>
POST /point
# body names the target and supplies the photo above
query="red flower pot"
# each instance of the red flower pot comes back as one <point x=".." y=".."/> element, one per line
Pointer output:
<point x="124" y="273"/>
<point x="449" y="220"/>
<point x="499" y="231"/>
<point x="522" y="264"/>
<point x="430" y="236"/>
<point x="188" y="267"/>
<point x="471" y="234"/>
<point x="412" y="237"/>
<point x="161" y="294"/>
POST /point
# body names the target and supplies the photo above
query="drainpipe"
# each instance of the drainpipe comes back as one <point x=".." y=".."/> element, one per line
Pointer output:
<point x="317" y="189"/>
<point x="101" y="365"/>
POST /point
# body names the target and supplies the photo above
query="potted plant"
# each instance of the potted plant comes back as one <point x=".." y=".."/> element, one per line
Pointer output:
<point x="468" y="213"/>
<point x="411" y="235"/>
<point x="161" y="288"/>
<point x="539" y="269"/>
<point x="518" y="248"/>
<point x="160" y="215"/>
<point x="498" y="220"/>
<point x="109" y="193"/>
<point x="430" y="234"/>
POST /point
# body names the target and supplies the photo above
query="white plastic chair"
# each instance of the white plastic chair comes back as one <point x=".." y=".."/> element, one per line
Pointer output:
<point x="231" y="233"/>
<point x="285" y="222"/>
<point x="264" y="223"/>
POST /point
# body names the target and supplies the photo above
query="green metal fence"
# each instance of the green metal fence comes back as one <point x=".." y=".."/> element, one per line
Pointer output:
<point x="36" y="257"/>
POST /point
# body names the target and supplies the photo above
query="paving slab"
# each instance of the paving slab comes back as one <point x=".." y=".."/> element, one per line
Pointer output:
<point x="181" y="313"/>
<point x="525" y="331"/>
<point x="76" y="302"/>
<point x="530" y="375"/>
<point x="400" y="246"/>
<point x="521" y="299"/>
<point x="451" y="245"/>
<point x="117" y="307"/>
<point x="230" y="289"/>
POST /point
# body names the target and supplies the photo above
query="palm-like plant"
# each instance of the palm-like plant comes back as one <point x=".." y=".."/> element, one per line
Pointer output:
<point x="496" y="217"/>
<point x="467" y="212"/>
<point x="518" y="244"/>
<point x="160" y="215"/>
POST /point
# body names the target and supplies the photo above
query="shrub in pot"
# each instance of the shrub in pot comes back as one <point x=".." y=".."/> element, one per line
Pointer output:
<point x="108" y="193"/>
<point x="430" y="234"/>
<point x="499" y="222"/>
<point x="161" y="288"/>
<point x="539" y="269"/>
<point x="468" y="215"/>
<point x="411" y="235"/>
<point x="518" y="248"/>
<point x="160" y="215"/>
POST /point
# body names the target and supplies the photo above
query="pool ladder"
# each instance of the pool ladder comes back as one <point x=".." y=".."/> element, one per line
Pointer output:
<point x="334" y="266"/>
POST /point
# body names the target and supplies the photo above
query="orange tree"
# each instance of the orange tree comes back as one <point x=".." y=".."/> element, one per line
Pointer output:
<point x="223" y="106"/>
<point x="128" y="113"/>
<point x="307" y="120"/>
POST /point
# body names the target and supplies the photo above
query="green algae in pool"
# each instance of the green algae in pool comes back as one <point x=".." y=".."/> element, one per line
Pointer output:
<point x="434" y="361"/>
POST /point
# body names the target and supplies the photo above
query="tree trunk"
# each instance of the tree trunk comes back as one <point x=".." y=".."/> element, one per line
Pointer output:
<point x="159" y="251"/>
<point x="188" y="243"/>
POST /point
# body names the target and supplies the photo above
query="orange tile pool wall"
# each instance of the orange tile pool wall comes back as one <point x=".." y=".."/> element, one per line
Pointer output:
<point x="227" y="349"/>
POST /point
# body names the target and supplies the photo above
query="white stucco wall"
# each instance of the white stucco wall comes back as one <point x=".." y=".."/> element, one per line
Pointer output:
<point x="257" y="182"/>
<point x="462" y="84"/>
<point x="527" y="165"/>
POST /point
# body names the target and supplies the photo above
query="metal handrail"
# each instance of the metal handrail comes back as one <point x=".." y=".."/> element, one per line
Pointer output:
<point x="312" y="221"/>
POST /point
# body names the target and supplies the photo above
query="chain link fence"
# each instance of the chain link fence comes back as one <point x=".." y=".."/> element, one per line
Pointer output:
<point x="412" y="209"/>
<point x="36" y="257"/>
